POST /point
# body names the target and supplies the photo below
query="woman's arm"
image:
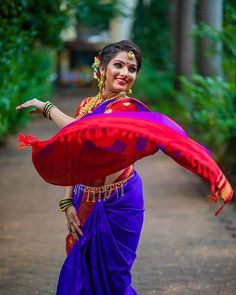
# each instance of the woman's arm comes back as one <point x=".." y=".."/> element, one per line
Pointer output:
<point x="60" y="118"/>
<point x="56" y="115"/>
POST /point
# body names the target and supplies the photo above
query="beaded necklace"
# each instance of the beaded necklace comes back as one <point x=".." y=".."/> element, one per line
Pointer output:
<point x="87" y="109"/>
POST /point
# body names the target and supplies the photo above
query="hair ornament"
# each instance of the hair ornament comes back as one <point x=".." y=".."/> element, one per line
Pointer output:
<point x="96" y="67"/>
<point x="131" y="55"/>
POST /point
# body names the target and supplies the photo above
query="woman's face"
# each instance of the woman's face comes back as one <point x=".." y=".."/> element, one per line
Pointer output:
<point x="120" y="74"/>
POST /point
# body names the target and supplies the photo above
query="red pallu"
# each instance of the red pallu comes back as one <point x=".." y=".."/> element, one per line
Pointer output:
<point x="99" y="145"/>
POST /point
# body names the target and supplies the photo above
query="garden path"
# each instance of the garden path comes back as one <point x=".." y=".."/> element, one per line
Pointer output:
<point x="184" y="249"/>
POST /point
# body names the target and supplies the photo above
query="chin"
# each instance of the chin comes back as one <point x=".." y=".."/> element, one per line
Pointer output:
<point x="120" y="89"/>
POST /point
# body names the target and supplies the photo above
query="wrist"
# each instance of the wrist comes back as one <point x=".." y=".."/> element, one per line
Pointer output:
<point x="65" y="203"/>
<point x="66" y="197"/>
<point x="67" y="208"/>
<point x="42" y="105"/>
<point x="47" y="108"/>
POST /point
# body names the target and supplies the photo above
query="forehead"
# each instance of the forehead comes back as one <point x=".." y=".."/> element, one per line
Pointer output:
<point x="123" y="56"/>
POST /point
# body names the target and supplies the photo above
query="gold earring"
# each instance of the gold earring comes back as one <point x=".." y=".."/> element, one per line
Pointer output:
<point x="129" y="91"/>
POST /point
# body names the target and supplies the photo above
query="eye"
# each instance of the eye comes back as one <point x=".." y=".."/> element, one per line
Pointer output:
<point x="118" y="65"/>
<point x="132" y="69"/>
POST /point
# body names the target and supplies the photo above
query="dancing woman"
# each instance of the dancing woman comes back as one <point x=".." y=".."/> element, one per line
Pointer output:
<point x="93" y="155"/>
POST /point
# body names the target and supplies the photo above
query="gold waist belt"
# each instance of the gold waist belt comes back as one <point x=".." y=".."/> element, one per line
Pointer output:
<point x="102" y="193"/>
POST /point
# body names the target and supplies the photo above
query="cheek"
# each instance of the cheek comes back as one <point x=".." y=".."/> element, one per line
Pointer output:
<point x="115" y="73"/>
<point x="132" y="78"/>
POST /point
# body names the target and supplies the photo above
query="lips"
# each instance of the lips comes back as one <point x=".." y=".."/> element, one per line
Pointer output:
<point x="121" y="81"/>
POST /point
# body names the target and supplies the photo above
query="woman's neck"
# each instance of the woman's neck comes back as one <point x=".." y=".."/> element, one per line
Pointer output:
<point x="107" y="95"/>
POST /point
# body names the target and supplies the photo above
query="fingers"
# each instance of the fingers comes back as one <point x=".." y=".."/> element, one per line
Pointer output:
<point x="77" y="223"/>
<point x="76" y="227"/>
<point x="73" y="222"/>
<point x="39" y="105"/>
<point x="77" y="219"/>
<point x="27" y="104"/>
<point x="74" y="233"/>
<point x="20" y="107"/>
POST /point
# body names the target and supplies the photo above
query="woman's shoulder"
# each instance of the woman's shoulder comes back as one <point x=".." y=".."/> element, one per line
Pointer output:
<point x="82" y="104"/>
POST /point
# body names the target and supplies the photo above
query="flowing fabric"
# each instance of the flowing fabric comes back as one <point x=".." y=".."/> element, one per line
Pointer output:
<point x="100" y="262"/>
<point x="101" y="144"/>
<point x="98" y="145"/>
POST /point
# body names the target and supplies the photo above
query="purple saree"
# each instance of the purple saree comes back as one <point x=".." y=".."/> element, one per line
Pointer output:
<point x="100" y="262"/>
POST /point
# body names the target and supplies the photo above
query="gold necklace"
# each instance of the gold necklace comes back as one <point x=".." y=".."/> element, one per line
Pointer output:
<point x="94" y="100"/>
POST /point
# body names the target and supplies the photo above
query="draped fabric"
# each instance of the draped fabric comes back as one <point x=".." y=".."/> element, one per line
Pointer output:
<point x="101" y="144"/>
<point x="88" y="199"/>
<point x="100" y="262"/>
<point x="96" y="146"/>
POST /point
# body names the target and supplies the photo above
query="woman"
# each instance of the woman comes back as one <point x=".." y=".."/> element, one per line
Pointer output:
<point x="106" y="268"/>
<point x="105" y="213"/>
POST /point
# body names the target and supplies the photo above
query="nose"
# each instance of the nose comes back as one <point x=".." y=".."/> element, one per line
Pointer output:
<point x="124" y="71"/>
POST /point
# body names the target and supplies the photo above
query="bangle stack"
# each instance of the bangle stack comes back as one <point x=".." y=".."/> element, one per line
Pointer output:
<point x="47" y="109"/>
<point x="65" y="203"/>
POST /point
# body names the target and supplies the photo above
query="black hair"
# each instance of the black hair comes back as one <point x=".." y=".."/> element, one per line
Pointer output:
<point x="111" y="50"/>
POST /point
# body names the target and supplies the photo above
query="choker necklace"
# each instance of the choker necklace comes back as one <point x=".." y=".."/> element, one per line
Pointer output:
<point x="87" y="109"/>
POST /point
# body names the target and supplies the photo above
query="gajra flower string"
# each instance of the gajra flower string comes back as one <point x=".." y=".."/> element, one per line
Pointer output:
<point x="96" y="67"/>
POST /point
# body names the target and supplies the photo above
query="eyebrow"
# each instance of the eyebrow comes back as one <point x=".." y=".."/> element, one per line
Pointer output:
<point x="124" y="62"/>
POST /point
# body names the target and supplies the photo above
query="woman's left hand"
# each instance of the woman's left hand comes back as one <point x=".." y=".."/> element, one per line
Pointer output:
<point x="38" y="104"/>
<point x="73" y="222"/>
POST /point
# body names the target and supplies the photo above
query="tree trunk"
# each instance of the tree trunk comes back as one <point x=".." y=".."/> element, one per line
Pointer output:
<point x="210" y="13"/>
<point x="184" y="42"/>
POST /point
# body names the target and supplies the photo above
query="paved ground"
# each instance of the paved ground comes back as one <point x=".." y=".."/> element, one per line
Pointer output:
<point x="184" y="249"/>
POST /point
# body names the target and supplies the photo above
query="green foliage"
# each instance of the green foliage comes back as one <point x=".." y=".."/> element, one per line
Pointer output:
<point x="151" y="31"/>
<point x="27" y="29"/>
<point x="208" y="111"/>
<point x="41" y="21"/>
<point x="229" y="41"/>
<point x="25" y="67"/>
<point x="208" y="104"/>
<point x="156" y="88"/>
<point x="96" y="14"/>
<point x="30" y="76"/>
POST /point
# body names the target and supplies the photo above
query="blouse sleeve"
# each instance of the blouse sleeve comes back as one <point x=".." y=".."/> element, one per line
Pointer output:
<point x="82" y="104"/>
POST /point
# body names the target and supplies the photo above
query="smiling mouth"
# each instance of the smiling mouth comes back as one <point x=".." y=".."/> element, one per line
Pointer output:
<point x="121" y="81"/>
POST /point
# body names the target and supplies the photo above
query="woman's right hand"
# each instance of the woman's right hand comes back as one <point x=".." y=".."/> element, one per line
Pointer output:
<point x="38" y="104"/>
<point x="73" y="222"/>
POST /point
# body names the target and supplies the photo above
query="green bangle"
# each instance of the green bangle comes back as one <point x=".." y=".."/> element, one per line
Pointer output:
<point x="47" y="105"/>
<point x="47" y="109"/>
<point x="65" y="203"/>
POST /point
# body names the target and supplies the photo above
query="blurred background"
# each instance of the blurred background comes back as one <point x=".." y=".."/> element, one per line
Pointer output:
<point x="189" y="69"/>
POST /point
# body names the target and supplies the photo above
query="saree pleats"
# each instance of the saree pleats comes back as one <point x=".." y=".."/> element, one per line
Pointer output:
<point x="100" y="262"/>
